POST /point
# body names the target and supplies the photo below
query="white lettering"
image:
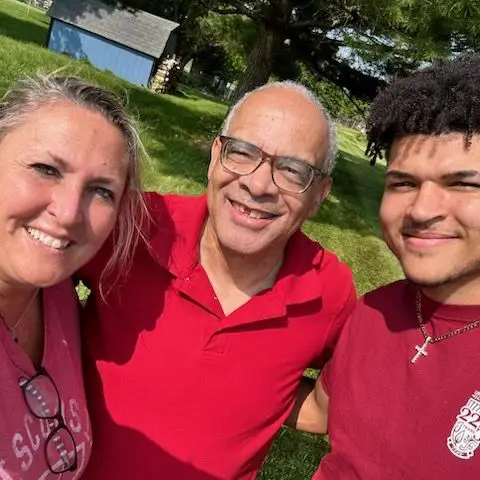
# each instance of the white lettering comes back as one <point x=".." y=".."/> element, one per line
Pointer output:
<point x="81" y="454"/>
<point x="74" y="423"/>
<point x="45" y="428"/>
<point x="22" y="452"/>
<point x="34" y="441"/>
<point x="46" y="474"/>
<point x="3" y="473"/>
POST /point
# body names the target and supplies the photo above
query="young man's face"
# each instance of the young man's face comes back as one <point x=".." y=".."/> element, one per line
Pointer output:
<point x="430" y="212"/>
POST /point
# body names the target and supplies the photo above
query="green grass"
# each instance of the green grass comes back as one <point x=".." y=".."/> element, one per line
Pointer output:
<point x="177" y="132"/>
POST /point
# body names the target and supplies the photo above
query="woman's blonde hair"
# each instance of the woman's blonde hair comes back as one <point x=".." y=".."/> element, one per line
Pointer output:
<point x="28" y="94"/>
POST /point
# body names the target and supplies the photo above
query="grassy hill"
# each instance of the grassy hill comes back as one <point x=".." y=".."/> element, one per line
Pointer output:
<point x="177" y="132"/>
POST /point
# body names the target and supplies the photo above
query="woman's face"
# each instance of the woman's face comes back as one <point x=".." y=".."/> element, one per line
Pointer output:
<point x="62" y="176"/>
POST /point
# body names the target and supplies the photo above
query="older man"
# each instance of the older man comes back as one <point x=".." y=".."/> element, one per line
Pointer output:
<point x="194" y="362"/>
<point x="403" y="387"/>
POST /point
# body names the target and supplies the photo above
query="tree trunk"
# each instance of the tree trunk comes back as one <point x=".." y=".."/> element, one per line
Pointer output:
<point x="259" y="62"/>
<point x="175" y="74"/>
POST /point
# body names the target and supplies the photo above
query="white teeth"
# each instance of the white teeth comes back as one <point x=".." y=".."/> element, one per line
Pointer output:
<point x="47" y="240"/>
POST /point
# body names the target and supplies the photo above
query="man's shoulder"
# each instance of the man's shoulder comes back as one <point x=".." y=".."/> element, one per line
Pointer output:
<point x="318" y="273"/>
<point x="307" y="250"/>
<point x="323" y="261"/>
<point x="159" y="204"/>
<point x="170" y="212"/>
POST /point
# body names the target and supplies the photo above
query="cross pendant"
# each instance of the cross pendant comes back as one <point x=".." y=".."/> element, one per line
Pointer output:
<point x="421" y="350"/>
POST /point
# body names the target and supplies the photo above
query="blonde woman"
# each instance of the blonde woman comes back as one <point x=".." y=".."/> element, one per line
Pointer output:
<point x="69" y="177"/>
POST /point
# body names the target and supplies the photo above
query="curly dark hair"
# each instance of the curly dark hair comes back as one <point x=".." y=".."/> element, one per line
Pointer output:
<point x="442" y="98"/>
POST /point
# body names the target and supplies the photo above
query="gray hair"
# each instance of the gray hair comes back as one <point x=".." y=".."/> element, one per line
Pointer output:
<point x="28" y="94"/>
<point x="331" y="156"/>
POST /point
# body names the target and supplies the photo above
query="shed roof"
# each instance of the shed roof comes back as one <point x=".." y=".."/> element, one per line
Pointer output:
<point x="139" y="30"/>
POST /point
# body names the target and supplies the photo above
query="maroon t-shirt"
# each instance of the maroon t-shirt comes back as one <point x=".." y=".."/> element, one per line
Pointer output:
<point x="391" y="419"/>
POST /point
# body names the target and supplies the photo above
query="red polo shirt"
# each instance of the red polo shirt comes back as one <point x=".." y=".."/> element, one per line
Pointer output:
<point x="177" y="390"/>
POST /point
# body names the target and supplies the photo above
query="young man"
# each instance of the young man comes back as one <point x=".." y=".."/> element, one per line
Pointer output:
<point x="194" y="362"/>
<point x="402" y="388"/>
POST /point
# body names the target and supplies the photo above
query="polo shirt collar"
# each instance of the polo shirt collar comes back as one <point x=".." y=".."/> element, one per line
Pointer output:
<point x="298" y="279"/>
<point x="176" y="242"/>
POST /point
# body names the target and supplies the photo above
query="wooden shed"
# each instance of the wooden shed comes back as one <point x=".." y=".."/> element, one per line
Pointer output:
<point x="130" y="44"/>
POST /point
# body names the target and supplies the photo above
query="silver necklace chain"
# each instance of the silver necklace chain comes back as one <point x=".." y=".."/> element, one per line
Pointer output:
<point x="421" y="351"/>
<point x="12" y="328"/>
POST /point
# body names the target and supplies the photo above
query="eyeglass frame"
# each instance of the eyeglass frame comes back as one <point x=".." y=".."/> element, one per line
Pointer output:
<point x="61" y="424"/>
<point x="224" y="139"/>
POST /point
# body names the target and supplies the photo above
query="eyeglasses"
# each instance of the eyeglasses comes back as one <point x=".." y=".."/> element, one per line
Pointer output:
<point x="43" y="400"/>
<point x="288" y="174"/>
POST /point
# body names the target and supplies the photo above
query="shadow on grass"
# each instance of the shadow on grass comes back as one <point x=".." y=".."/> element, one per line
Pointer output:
<point x="356" y="195"/>
<point x="23" y="30"/>
<point x="294" y="456"/>
<point x="179" y="137"/>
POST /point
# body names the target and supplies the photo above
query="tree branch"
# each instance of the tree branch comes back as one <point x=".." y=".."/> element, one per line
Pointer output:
<point x="306" y="24"/>
<point x="239" y="7"/>
<point x="226" y="11"/>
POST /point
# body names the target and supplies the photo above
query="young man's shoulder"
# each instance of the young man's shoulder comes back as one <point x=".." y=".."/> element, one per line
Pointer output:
<point x="389" y="294"/>
<point x="387" y="301"/>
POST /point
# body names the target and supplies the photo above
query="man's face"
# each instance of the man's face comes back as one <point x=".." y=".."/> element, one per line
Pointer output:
<point x="430" y="211"/>
<point x="249" y="214"/>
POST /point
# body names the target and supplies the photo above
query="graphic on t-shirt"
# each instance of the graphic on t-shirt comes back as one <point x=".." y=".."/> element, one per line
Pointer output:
<point x="28" y="445"/>
<point x="464" y="438"/>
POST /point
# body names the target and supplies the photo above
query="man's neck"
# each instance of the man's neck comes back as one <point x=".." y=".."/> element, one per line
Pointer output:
<point x="236" y="278"/>
<point x="462" y="292"/>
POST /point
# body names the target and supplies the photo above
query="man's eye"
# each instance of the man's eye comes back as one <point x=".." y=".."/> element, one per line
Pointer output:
<point x="401" y="185"/>
<point x="240" y="153"/>
<point x="465" y="185"/>
<point x="46" y="170"/>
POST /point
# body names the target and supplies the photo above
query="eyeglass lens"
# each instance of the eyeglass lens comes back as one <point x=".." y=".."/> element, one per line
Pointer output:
<point x="43" y="400"/>
<point x="288" y="174"/>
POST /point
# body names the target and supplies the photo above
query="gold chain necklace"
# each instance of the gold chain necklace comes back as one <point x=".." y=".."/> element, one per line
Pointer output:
<point x="12" y="329"/>
<point x="422" y="350"/>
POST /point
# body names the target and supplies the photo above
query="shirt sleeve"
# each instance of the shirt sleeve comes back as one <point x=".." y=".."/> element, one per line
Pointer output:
<point x="339" y="360"/>
<point x="347" y="307"/>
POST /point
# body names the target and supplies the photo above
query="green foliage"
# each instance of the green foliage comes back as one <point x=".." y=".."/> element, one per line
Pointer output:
<point x="222" y="43"/>
<point x="334" y="99"/>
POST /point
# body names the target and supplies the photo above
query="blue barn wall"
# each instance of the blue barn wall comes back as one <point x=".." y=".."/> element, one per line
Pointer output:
<point x="104" y="54"/>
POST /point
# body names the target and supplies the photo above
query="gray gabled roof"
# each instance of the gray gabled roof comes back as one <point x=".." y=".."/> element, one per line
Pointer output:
<point x="139" y="30"/>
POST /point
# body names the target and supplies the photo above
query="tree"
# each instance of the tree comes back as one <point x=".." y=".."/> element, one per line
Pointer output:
<point x="382" y="36"/>
<point x="355" y="44"/>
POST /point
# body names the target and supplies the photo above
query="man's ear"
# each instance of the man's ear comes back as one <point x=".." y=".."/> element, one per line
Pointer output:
<point x="215" y="151"/>
<point x="321" y="193"/>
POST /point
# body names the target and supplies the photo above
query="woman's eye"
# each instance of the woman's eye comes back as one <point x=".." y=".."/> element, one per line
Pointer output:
<point x="104" y="193"/>
<point x="46" y="170"/>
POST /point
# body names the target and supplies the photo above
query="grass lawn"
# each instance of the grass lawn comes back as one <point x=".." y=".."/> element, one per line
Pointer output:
<point x="177" y="132"/>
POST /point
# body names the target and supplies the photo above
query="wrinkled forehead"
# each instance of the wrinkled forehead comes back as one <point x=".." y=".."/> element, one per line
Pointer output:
<point x="282" y="123"/>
